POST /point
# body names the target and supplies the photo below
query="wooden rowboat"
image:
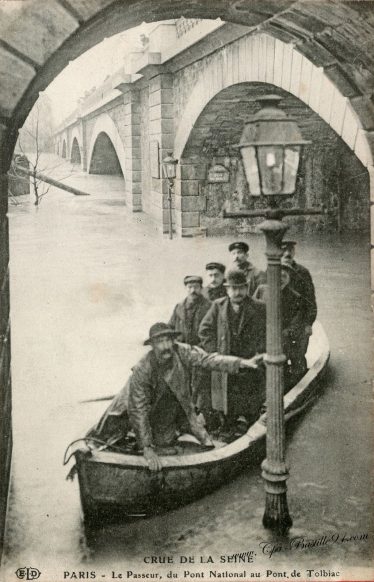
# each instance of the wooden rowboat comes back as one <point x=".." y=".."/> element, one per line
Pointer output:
<point x="115" y="486"/>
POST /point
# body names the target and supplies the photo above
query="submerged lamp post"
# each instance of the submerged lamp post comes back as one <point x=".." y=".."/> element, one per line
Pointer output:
<point x="169" y="165"/>
<point x="271" y="146"/>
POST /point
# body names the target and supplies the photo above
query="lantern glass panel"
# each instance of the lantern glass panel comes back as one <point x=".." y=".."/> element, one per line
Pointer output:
<point x="270" y="160"/>
<point x="170" y="169"/>
<point x="291" y="164"/>
<point x="251" y="169"/>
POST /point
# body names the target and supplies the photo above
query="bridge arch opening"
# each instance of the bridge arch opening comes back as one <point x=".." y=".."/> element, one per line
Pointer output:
<point x="75" y="156"/>
<point x="63" y="153"/>
<point x="89" y="26"/>
<point x="104" y="159"/>
<point x="330" y="175"/>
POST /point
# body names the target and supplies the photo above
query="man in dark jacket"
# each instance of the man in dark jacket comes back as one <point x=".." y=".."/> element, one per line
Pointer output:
<point x="235" y="325"/>
<point x="240" y="261"/>
<point x="292" y="322"/>
<point x="188" y="314"/>
<point x="215" y="288"/>
<point x="301" y="281"/>
<point x="156" y="400"/>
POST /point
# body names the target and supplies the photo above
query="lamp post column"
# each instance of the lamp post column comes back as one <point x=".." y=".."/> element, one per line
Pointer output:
<point x="170" y="186"/>
<point x="274" y="470"/>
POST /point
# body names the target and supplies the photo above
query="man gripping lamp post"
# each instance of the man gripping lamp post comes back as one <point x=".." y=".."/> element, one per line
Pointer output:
<point x="270" y="146"/>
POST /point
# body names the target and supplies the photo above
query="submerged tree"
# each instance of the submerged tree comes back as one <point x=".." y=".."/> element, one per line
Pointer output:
<point x="35" y="138"/>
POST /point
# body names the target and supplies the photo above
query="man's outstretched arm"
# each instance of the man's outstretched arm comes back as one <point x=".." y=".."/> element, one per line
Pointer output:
<point x="231" y="364"/>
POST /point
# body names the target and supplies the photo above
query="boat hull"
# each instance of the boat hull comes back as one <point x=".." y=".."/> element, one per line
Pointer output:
<point x="116" y="486"/>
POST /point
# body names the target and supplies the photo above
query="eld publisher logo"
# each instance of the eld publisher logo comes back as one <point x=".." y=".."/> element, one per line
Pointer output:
<point x="28" y="573"/>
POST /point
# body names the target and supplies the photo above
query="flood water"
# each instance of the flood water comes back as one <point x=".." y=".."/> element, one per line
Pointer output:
<point x="88" y="279"/>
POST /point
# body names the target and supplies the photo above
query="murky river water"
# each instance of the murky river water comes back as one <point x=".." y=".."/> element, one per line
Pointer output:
<point x="87" y="280"/>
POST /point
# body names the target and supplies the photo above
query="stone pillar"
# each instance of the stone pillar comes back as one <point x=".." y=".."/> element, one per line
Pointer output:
<point x="188" y="201"/>
<point x="161" y="129"/>
<point x="6" y="148"/>
<point x="371" y="182"/>
<point x="84" y="152"/>
<point x="133" y="162"/>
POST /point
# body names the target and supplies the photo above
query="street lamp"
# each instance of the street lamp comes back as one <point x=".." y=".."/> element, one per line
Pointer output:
<point x="271" y="146"/>
<point x="169" y="166"/>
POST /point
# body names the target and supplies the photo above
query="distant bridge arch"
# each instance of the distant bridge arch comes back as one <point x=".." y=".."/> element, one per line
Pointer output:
<point x="75" y="154"/>
<point x="76" y="149"/>
<point x="105" y="141"/>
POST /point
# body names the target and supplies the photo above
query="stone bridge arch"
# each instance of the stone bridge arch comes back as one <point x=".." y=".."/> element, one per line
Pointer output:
<point x="286" y="68"/>
<point x="337" y="36"/>
<point x="105" y="125"/>
<point x="283" y="68"/>
<point x="76" y="148"/>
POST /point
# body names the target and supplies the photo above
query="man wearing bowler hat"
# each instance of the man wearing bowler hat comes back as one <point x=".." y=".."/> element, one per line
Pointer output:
<point x="301" y="281"/>
<point x="215" y="274"/>
<point x="187" y="314"/>
<point x="235" y="325"/>
<point x="156" y="401"/>
<point x="239" y="256"/>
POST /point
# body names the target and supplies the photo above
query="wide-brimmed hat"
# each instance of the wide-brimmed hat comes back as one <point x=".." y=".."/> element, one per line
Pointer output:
<point x="160" y="329"/>
<point x="241" y="246"/>
<point x="218" y="266"/>
<point x="192" y="279"/>
<point x="235" y="279"/>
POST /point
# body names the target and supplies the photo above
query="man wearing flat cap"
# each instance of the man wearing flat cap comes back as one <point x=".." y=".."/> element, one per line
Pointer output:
<point x="235" y="325"/>
<point x="239" y="257"/>
<point x="187" y="314"/>
<point x="215" y="274"/>
<point x="156" y="401"/>
<point x="301" y="281"/>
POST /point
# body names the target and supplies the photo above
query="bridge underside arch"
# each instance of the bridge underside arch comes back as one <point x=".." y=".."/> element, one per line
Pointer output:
<point x="337" y="36"/>
<point x="330" y="174"/>
<point x="75" y="156"/>
<point x="104" y="159"/>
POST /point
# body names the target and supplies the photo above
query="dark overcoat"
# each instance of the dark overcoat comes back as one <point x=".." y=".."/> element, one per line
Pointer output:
<point x="301" y="281"/>
<point x="179" y="322"/>
<point x="138" y="402"/>
<point x="215" y="335"/>
<point x="214" y="331"/>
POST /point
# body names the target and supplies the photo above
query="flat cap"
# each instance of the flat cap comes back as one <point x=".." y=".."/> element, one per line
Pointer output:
<point x="235" y="278"/>
<point x="193" y="279"/>
<point x="242" y="246"/>
<point x="218" y="266"/>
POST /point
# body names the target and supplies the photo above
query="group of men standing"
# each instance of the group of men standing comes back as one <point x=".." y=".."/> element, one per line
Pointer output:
<point x="206" y="359"/>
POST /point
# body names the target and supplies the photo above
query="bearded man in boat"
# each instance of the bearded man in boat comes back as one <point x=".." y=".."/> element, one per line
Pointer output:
<point x="157" y="400"/>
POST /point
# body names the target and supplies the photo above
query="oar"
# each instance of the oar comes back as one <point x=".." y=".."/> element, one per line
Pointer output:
<point x="100" y="399"/>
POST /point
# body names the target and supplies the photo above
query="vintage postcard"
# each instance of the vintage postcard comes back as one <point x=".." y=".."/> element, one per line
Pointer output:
<point x="189" y="241"/>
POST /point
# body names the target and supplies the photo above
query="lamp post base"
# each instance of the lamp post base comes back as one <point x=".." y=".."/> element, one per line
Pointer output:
<point x="276" y="516"/>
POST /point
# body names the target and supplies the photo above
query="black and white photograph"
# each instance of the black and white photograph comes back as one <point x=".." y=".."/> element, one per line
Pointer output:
<point x="186" y="318"/>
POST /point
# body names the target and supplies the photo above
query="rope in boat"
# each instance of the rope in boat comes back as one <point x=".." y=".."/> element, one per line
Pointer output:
<point x="87" y="440"/>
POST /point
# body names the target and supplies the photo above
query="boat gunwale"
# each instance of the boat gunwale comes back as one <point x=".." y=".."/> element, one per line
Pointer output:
<point x="256" y="432"/>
